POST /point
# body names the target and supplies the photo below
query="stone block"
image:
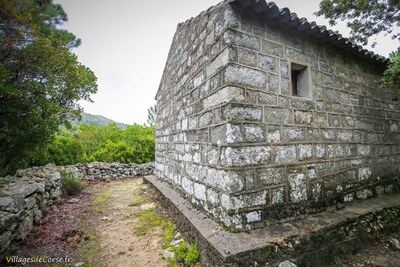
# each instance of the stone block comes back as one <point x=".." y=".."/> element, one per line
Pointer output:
<point x="229" y="19"/>
<point x="298" y="187"/>
<point x="233" y="134"/>
<point x="305" y="152"/>
<point x="225" y="95"/>
<point x="363" y="150"/>
<point x="243" y="201"/>
<point x="273" y="84"/>
<point x="245" y="156"/>
<point x="364" y="173"/>
<point x="238" y="75"/>
<point x="242" y="112"/>
<point x="253" y="133"/>
<point x="270" y="176"/>
<point x="212" y="196"/>
<point x="187" y="185"/>
<point x="247" y="57"/>
<point x="285" y="154"/>
<point x="345" y="136"/>
<point x="302" y="117"/>
<point x="278" y="116"/>
<point x="6" y="219"/>
<point x="254" y="216"/>
<point x="212" y="156"/>
<point x="267" y="63"/>
<point x="272" y="49"/>
<point x="268" y="99"/>
<point x="236" y="38"/>
<point x="227" y="181"/>
<point x="278" y="195"/>
<point x="329" y="134"/>
<point x="218" y="63"/>
<point x="199" y="191"/>
<point x="293" y="134"/>
<point x="273" y="135"/>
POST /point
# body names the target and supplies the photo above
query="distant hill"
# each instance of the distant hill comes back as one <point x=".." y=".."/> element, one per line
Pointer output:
<point x="97" y="119"/>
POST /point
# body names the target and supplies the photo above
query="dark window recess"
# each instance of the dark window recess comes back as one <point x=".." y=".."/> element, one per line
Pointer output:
<point x="300" y="79"/>
<point x="295" y="74"/>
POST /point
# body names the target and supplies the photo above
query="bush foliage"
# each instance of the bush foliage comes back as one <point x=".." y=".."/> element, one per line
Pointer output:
<point x="88" y="143"/>
<point x="70" y="184"/>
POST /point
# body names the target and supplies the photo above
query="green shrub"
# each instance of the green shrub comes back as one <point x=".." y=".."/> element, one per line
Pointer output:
<point x="181" y="252"/>
<point x="168" y="232"/>
<point x="192" y="255"/>
<point x="70" y="184"/>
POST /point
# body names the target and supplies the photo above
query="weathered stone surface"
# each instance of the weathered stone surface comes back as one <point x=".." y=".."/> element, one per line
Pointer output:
<point x="285" y="154"/>
<point x="270" y="176"/>
<point x="225" y="95"/>
<point x="267" y="63"/>
<point x="298" y="187"/>
<point x="238" y="202"/>
<point x="228" y="181"/>
<point x="241" y="39"/>
<point x="220" y="61"/>
<point x="226" y="113"/>
<point x="233" y="134"/>
<point x="253" y="133"/>
<point x="241" y="113"/>
<point x="278" y="116"/>
<point x="237" y="75"/>
<point x="246" y="156"/>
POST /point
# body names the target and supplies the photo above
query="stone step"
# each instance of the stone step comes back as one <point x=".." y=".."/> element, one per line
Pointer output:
<point x="306" y="241"/>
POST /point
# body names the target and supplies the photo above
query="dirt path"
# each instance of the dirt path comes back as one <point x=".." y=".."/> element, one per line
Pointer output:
<point x="108" y="224"/>
<point x="118" y="224"/>
<point x="120" y="239"/>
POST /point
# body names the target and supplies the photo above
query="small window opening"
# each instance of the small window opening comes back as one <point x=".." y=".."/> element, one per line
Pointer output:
<point x="300" y="79"/>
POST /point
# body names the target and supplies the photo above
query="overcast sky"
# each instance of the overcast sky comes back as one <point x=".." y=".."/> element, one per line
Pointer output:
<point x="126" y="43"/>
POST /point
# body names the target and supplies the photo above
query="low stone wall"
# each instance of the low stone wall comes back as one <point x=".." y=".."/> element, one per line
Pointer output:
<point x="24" y="196"/>
<point x="105" y="171"/>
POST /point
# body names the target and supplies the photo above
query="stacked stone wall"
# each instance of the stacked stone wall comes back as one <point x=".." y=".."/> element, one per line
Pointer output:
<point x="232" y="138"/>
<point x="24" y="196"/>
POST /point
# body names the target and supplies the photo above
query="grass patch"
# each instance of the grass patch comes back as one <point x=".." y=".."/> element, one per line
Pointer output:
<point x="148" y="219"/>
<point x="89" y="249"/>
<point x="139" y="202"/>
<point x="99" y="202"/>
<point x="137" y="191"/>
<point x="70" y="184"/>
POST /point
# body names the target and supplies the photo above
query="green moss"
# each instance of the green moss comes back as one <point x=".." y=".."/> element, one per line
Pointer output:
<point x="148" y="219"/>
<point x="168" y="233"/>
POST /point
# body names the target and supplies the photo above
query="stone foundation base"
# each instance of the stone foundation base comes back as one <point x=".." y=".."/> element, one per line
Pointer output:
<point x="307" y="241"/>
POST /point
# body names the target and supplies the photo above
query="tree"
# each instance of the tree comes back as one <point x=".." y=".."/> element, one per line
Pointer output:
<point x="367" y="18"/>
<point x="151" y="115"/>
<point x="41" y="80"/>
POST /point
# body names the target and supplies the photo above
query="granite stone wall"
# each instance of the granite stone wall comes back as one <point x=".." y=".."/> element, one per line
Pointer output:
<point x="231" y="137"/>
